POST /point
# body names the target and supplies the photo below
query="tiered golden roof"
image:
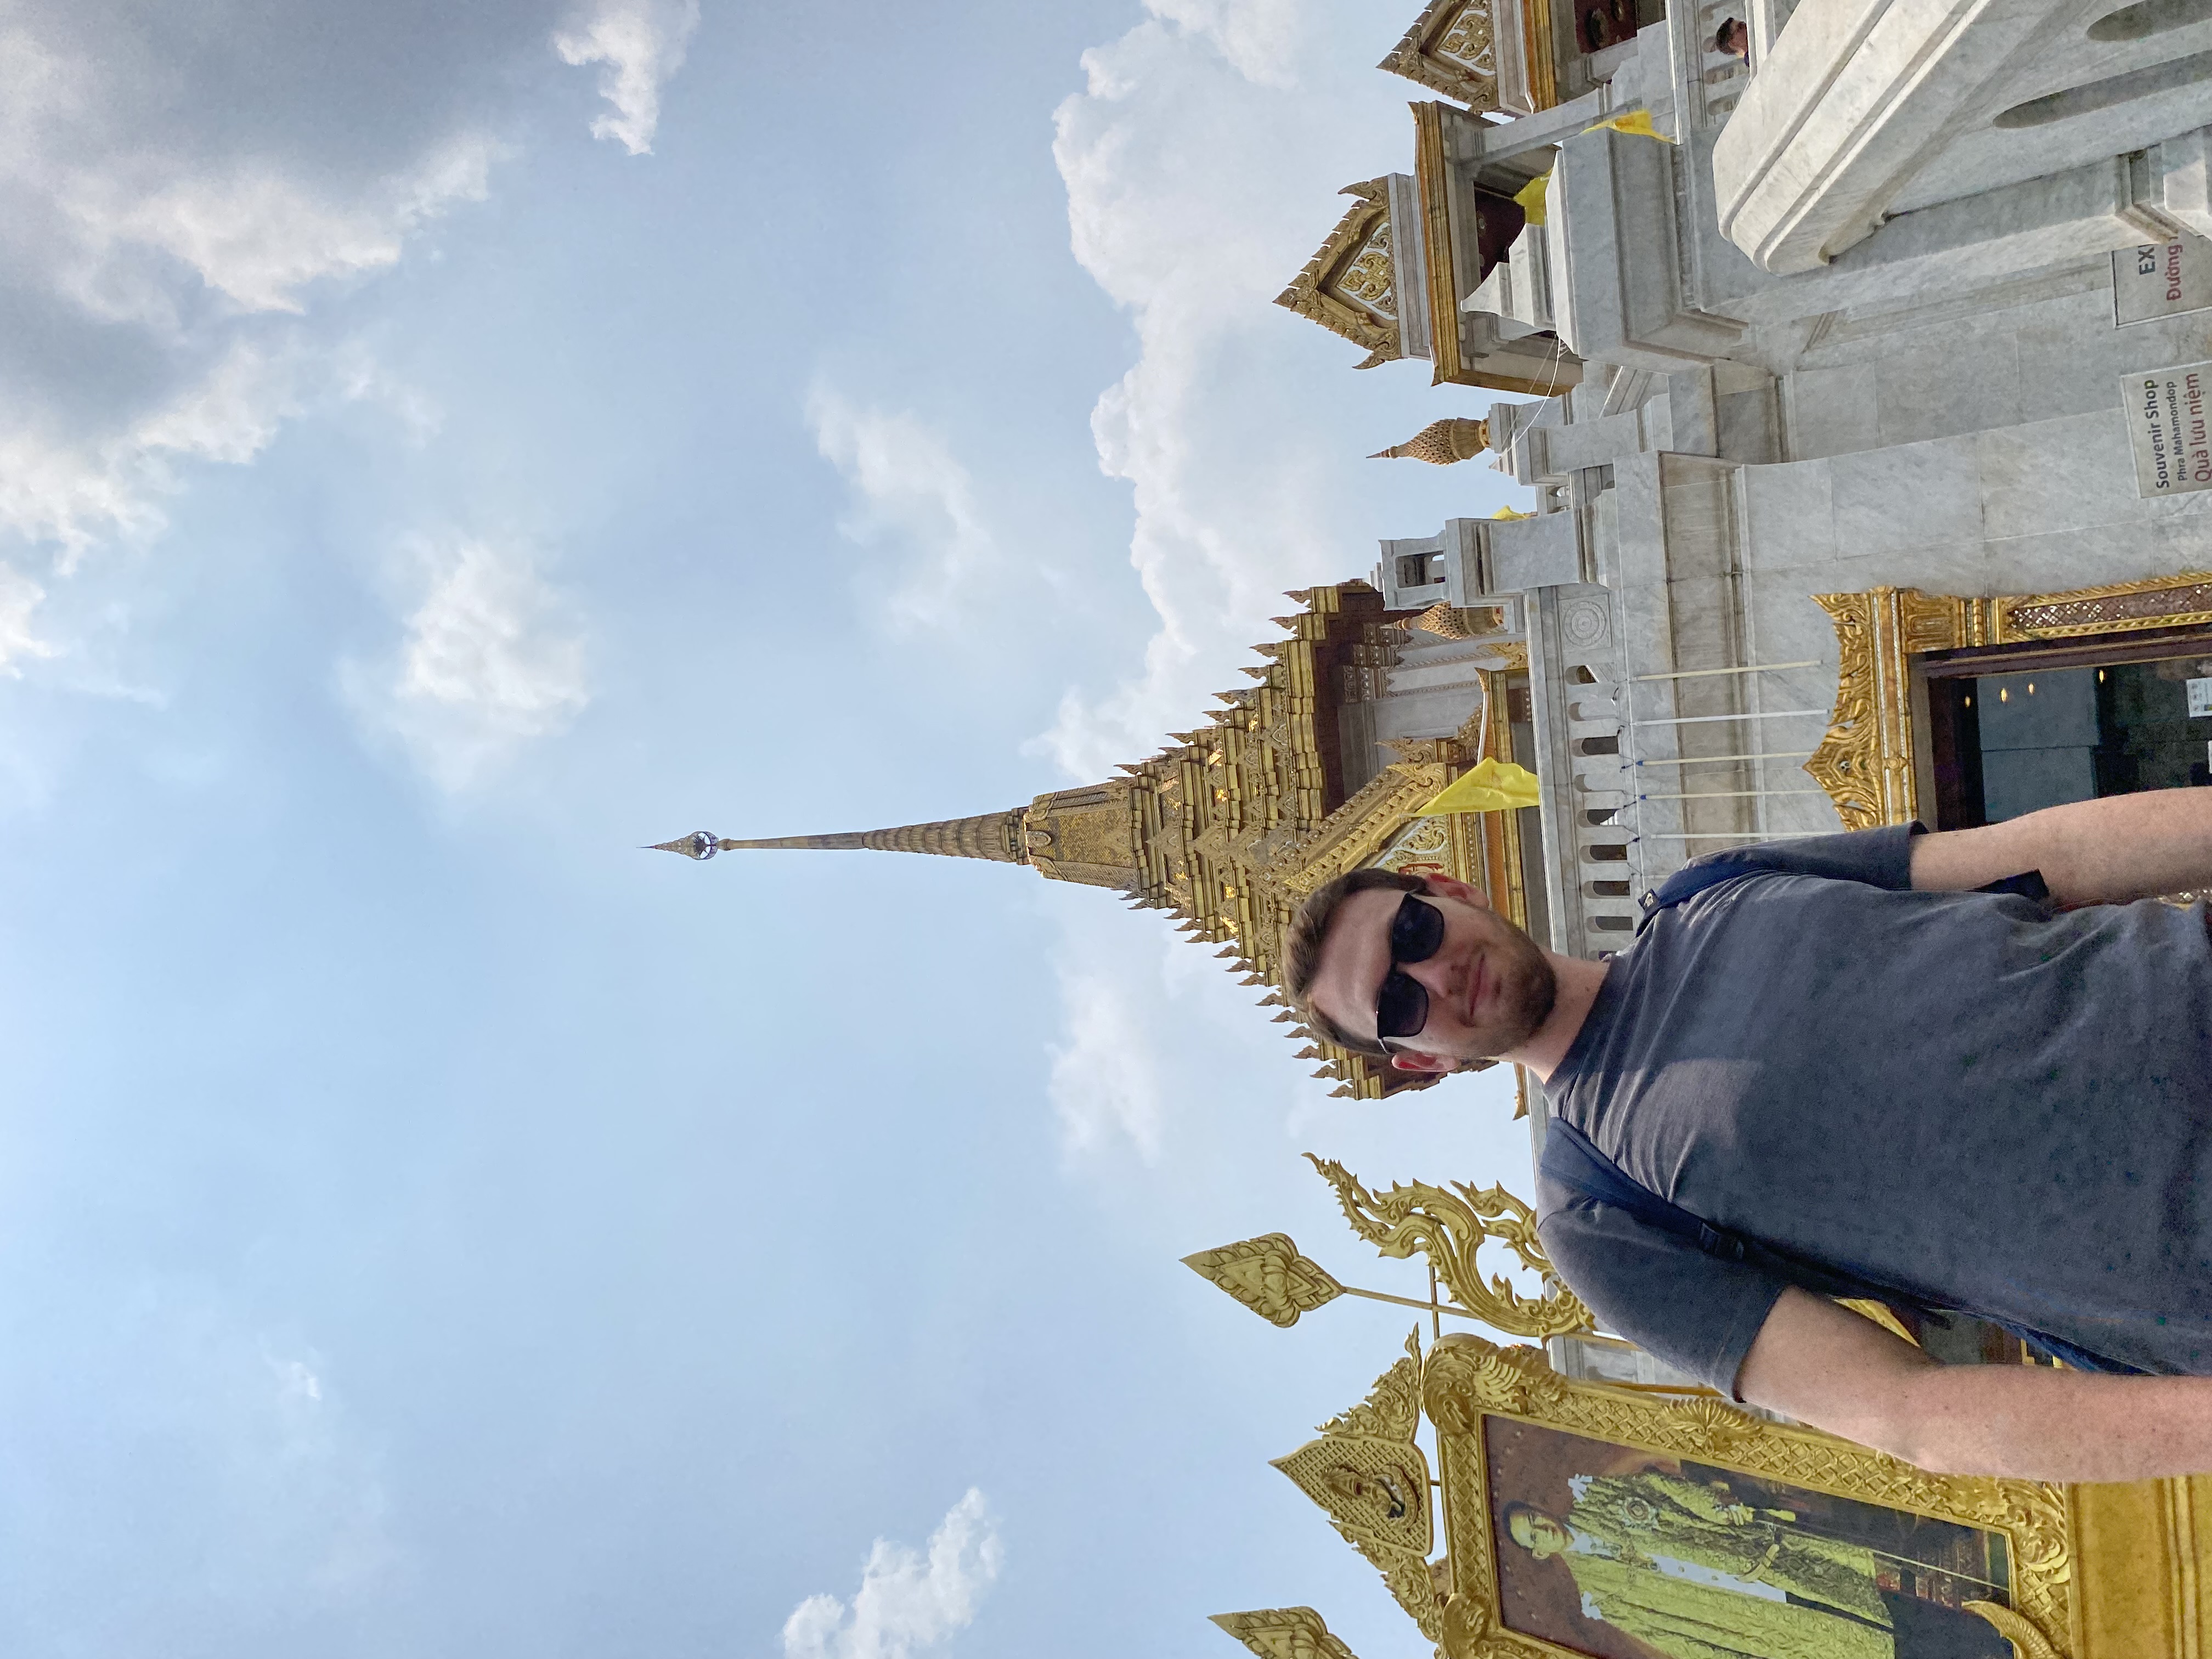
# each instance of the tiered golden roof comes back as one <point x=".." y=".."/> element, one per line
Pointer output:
<point x="1231" y="825"/>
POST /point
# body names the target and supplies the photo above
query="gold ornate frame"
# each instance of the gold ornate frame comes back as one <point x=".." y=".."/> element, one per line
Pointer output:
<point x="1467" y="1379"/>
<point x="1868" y="762"/>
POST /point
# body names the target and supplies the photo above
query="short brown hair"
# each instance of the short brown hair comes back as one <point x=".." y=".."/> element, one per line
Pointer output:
<point x="1302" y="948"/>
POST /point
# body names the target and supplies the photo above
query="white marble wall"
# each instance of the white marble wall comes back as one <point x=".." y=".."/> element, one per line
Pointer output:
<point x="1974" y="364"/>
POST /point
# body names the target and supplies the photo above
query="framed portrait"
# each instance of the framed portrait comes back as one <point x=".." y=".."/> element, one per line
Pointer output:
<point x="1584" y="1520"/>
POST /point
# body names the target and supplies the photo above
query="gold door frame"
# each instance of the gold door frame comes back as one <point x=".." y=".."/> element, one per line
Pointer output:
<point x="1869" y="761"/>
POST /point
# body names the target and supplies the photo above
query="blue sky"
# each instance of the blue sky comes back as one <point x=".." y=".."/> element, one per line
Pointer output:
<point x="441" y="449"/>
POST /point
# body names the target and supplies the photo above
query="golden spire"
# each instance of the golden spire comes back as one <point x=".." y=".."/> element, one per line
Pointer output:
<point x="995" y="836"/>
<point x="1441" y="442"/>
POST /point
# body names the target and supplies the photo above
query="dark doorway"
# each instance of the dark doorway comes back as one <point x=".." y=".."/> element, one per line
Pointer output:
<point x="2013" y="732"/>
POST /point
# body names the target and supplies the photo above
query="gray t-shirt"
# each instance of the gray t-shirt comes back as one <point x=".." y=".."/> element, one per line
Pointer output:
<point x="1960" y="1095"/>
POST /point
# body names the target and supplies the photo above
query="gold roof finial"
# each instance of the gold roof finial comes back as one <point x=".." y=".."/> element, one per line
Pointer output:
<point x="1441" y="443"/>
<point x="994" y="836"/>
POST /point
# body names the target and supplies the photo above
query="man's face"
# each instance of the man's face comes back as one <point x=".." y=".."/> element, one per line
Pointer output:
<point x="1489" y="987"/>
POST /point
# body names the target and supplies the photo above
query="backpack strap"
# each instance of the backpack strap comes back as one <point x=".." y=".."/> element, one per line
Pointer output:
<point x="1692" y="879"/>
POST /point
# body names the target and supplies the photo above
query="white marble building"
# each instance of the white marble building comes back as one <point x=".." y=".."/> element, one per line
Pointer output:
<point x="1919" y="297"/>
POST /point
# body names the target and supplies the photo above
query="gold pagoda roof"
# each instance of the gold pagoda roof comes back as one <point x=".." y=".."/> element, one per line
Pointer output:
<point x="1231" y="824"/>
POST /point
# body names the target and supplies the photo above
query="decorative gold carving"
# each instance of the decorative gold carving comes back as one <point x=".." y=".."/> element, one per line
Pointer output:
<point x="2183" y="600"/>
<point x="1441" y="443"/>
<point x="1357" y="832"/>
<point x="1467" y="1378"/>
<point x="2027" y="1641"/>
<point x="1098" y="836"/>
<point x="1866" y="762"/>
<point x="1372" y="1482"/>
<point x="1229" y="827"/>
<point x="1432" y="182"/>
<point x="1542" y="59"/>
<point x="1451" y="49"/>
<point x="1448" y="1227"/>
<point x="1347" y="286"/>
<point x="1284" y="1634"/>
<point x="1268" y="1276"/>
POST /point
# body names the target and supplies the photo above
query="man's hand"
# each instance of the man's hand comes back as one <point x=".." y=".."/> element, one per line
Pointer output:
<point x="2110" y="851"/>
<point x="1825" y="1365"/>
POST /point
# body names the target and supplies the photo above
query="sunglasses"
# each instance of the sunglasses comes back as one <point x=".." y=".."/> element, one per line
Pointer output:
<point x="1416" y="933"/>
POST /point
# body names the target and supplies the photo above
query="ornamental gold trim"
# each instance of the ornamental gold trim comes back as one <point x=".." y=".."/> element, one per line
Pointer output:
<point x="1316" y="292"/>
<point x="1449" y="1226"/>
<point x="1868" y="761"/>
<point x="1357" y="831"/>
<point x="1284" y="1634"/>
<point x="1269" y="1276"/>
<point x="1467" y="1383"/>
<point x="1370" y="1478"/>
<point x="1451" y="49"/>
<point x="1433" y="184"/>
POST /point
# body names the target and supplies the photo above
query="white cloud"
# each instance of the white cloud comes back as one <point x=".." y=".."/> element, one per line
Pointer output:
<point x="69" y="491"/>
<point x="1226" y="486"/>
<point x="1105" y="1083"/>
<point x="491" y="660"/>
<point x="906" y="1604"/>
<point x="1259" y="37"/>
<point x="175" y="204"/>
<point x="250" y="231"/>
<point x="19" y="597"/>
<point x="911" y="490"/>
<point x="639" y="44"/>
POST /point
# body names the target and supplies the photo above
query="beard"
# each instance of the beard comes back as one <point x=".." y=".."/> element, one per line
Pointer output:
<point x="1527" y="989"/>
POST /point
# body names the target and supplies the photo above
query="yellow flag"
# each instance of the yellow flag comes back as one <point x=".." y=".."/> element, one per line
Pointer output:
<point x="1635" y="122"/>
<point x="1489" y="786"/>
<point x="1530" y="198"/>
<point x="1508" y="513"/>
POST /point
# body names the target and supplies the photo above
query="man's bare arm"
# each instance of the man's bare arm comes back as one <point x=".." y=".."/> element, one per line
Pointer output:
<point x="2090" y="851"/>
<point x="1825" y="1365"/>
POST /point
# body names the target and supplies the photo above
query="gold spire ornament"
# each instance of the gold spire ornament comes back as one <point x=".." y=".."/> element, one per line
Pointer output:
<point x="1284" y="1633"/>
<point x="994" y="836"/>
<point x="699" y="844"/>
<point x="1441" y="443"/>
<point x="1448" y="1227"/>
<point x="1268" y="1276"/>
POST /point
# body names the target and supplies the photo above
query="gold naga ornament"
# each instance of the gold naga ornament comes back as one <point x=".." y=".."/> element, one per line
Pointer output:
<point x="1448" y="1226"/>
<point x="1270" y="1276"/>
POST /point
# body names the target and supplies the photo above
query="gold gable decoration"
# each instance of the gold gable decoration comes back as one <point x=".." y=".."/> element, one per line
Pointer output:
<point x="1371" y="1479"/>
<point x="1451" y="49"/>
<point x="1348" y="286"/>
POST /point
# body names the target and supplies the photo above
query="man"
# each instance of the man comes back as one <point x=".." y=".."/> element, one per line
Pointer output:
<point x="1854" y="1059"/>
